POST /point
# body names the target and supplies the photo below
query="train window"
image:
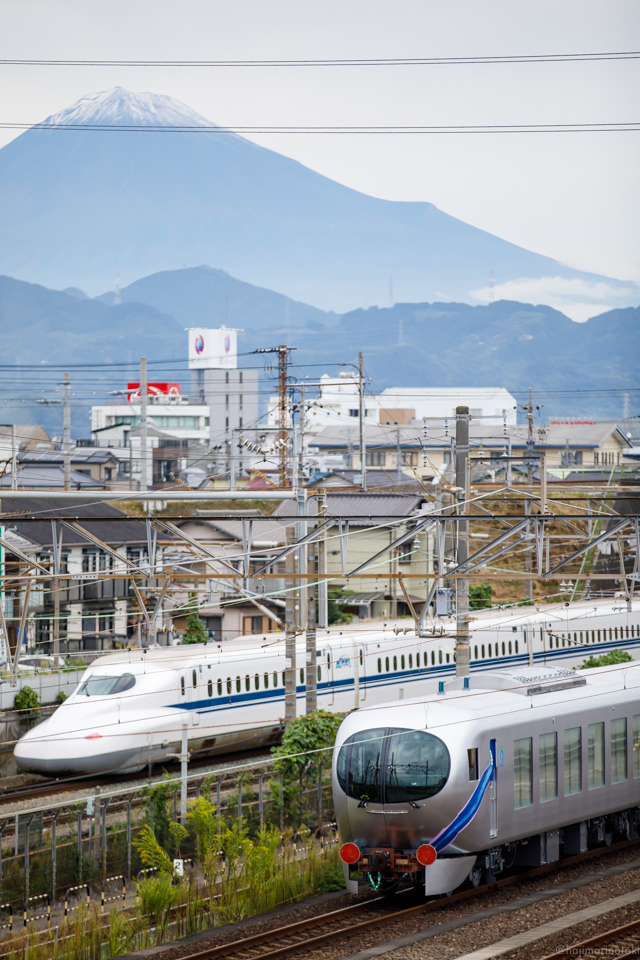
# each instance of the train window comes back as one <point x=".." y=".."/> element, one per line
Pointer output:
<point x="228" y="684"/>
<point x="581" y="637"/>
<point x="395" y="663"/>
<point x="447" y="657"/>
<point x="266" y="680"/>
<point x="275" y="679"/>
<point x="516" y="643"/>
<point x="522" y="773"/>
<point x="548" y="758"/>
<point x="572" y="761"/>
<point x="379" y="665"/>
<point x="599" y="637"/>
<point x="563" y="641"/>
<point x="618" y="749"/>
<point x="97" y="686"/>
<point x="595" y="754"/>
<point x="509" y="647"/>
<point x="402" y="662"/>
<point x="410" y="661"/>
<point x="283" y="678"/>
<point x="386" y="664"/>
<point x="302" y="676"/>
<point x="473" y="763"/>
<point x="482" y="648"/>
<point x="210" y="688"/>
<point x="182" y="689"/>
<point x="328" y="662"/>
<point x="219" y="688"/>
<point x="194" y="677"/>
<point x="319" y="674"/>
<point x="247" y="683"/>
<point x="627" y="631"/>
<point x="393" y="765"/>
<point x="433" y="658"/>
<point x="615" y="632"/>
<point x="475" y="653"/>
<point x="636" y="746"/>
<point x="361" y="659"/>
<point x="256" y="681"/>
<point x="610" y="633"/>
<point x="425" y="658"/>
<point x="503" y="649"/>
<point x="489" y="649"/>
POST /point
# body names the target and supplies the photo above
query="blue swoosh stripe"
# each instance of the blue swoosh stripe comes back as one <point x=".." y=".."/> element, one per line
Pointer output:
<point x="466" y="815"/>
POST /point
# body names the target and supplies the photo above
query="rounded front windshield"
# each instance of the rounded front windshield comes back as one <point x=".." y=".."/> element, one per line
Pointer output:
<point x="105" y="686"/>
<point x="393" y="765"/>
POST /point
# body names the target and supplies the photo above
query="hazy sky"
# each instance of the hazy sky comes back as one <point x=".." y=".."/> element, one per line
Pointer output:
<point x="569" y="196"/>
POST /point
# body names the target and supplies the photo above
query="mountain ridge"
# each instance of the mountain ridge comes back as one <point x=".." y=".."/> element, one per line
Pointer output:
<point x="80" y="205"/>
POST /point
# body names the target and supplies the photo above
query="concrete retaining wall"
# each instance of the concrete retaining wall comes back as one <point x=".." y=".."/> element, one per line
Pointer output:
<point x="46" y="685"/>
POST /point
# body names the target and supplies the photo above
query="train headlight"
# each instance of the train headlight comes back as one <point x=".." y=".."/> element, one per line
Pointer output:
<point x="349" y="853"/>
<point x="426" y="854"/>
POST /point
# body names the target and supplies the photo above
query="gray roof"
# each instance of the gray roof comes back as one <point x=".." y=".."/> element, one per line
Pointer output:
<point x="360" y="506"/>
<point x="101" y="519"/>
<point x="78" y="455"/>
<point x="31" y="475"/>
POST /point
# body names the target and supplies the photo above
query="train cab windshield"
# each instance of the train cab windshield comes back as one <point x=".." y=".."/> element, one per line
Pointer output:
<point x="393" y="765"/>
<point x="99" y="686"/>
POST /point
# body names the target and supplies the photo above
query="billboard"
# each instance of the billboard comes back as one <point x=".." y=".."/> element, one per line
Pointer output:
<point x="213" y="349"/>
<point x="153" y="390"/>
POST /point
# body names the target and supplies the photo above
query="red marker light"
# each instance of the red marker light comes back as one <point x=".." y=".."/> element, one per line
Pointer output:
<point x="426" y="854"/>
<point x="349" y="853"/>
<point x="94" y="736"/>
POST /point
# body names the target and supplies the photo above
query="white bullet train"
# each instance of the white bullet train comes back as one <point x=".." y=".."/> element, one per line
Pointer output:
<point x="506" y="767"/>
<point x="129" y="708"/>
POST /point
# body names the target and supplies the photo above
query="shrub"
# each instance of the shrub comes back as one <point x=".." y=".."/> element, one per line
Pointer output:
<point x="27" y="699"/>
<point x="606" y="660"/>
<point x="195" y="631"/>
<point x="479" y="596"/>
<point x="62" y="696"/>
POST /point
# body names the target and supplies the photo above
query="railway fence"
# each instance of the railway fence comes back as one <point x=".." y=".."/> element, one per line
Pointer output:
<point x="87" y="851"/>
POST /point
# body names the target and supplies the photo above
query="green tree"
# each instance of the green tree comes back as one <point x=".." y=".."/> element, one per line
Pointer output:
<point x="334" y="612"/>
<point x="195" y="632"/>
<point x="606" y="660"/>
<point x="479" y="596"/>
<point x="28" y="702"/>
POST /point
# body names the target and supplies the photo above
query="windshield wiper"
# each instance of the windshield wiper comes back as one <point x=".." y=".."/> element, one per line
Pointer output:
<point x="394" y="773"/>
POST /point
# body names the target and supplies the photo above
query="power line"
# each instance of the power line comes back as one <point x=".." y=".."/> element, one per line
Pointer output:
<point x="483" y="129"/>
<point x="342" y="61"/>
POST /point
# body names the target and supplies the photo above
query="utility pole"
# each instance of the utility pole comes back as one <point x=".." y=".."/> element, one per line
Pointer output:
<point x="283" y="363"/>
<point x="66" y="431"/>
<point x="14" y="478"/>
<point x="323" y="593"/>
<point x="462" y="583"/>
<point x="363" y="437"/>
<point x="398" y="457"/>
<point x="144" y="477"/>
<point x="528" y="561"/>
<point x="290" y="633"/>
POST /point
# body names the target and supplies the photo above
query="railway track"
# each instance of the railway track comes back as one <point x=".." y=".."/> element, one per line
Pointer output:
<point x="311" y="933"/>
<point x="89" y="781"/>
<point x="621" y="943"/>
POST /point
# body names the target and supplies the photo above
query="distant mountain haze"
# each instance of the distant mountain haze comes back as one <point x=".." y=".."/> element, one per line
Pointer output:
<point x="504" y="344"/>
<point x="80" y="205"/>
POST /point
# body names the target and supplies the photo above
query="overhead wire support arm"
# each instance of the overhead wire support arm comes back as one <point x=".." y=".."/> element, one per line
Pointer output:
<point x="285" y="553"/>
<point x="391" y="546"/>
<point x="592" y="543"/>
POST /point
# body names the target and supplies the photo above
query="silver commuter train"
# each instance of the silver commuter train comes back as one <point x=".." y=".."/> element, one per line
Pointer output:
<point x="496" y="769"/>
<point x="129" y="708"/>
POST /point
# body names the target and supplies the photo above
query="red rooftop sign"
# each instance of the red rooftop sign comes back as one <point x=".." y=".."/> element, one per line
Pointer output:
<point x="573" y="423"/>
<point x="153" y="390"/>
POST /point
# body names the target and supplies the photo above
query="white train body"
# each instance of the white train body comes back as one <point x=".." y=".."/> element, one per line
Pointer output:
<point x="511" y="765"/>
<point x="130" y="706"/>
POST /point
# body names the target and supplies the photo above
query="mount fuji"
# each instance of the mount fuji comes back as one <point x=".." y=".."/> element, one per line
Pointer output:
<point x="82" y="200"/>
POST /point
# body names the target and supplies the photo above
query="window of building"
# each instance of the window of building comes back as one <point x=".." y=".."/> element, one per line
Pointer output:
<point x="548" y="747"/>
<point x="572" y="761"/>
<point x="595" y="754"/>
<point x="95" y="559"/>
<point x="618" y="749"/>
<point x="176" y="422"/>
<point x="405" y="551"/>
<point x="376" y="458"/>
<point x="353" y="413"/>
<point x="522" y="773"/>
<point x="410" y="458"/>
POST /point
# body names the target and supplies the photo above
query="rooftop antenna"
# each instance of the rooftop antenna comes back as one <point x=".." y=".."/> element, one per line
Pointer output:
<point x="117" y="299"/>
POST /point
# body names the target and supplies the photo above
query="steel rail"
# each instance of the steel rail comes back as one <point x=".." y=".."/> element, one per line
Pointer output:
<point x="214" y="951"/>
<point x="588" y="947"/>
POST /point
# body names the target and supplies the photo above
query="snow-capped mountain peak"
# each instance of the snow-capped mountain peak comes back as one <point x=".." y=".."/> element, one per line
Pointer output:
<point x="126" y="107"/>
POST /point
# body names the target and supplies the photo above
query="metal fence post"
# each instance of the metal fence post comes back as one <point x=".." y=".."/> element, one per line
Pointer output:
<point x="54" y="855"/>
<point x="261" y="799"/>
<point x="79" y="846"/>
<point x="129" y="838"/>
<point x="105" y="804"/>
<point x="26" y="860"/>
